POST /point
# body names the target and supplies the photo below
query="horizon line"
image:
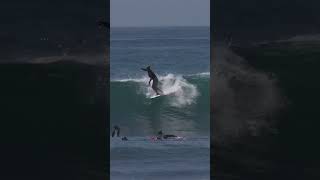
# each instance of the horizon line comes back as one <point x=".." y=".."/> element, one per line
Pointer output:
<point x="159" y="26"/>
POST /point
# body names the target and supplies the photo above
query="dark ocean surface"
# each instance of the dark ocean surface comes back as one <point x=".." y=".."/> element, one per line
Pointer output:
<point x="180" y="56"/>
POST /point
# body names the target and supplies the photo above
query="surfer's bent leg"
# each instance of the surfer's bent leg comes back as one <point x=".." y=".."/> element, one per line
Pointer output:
<point x="155" y="86"/>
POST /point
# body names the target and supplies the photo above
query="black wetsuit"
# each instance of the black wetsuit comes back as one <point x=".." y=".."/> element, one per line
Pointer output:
<point x="116" y="128"/>
<point x="166" y="136"/>
<point x="154" y="79"/>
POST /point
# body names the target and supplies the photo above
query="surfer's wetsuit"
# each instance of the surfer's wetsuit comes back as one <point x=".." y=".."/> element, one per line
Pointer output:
<point x="154" y="79"/>
<point x="166" y="136"/>
<point x="116" y="128"/>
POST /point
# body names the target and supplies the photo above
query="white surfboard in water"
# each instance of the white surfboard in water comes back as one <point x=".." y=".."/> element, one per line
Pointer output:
<point x="154" y="96"/>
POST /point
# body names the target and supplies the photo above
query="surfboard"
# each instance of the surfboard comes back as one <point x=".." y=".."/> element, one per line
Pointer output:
<point x="177" y="138"/>
<point x="155" y="96"/>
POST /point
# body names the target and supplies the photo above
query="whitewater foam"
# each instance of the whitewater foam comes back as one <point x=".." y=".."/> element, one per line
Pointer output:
<point x="181" y="91"/>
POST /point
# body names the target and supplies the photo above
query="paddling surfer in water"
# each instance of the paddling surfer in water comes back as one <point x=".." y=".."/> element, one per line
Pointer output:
<point x="154" y="79"/>
<point x="116" y="129"/>
<point x="165" y="136"/>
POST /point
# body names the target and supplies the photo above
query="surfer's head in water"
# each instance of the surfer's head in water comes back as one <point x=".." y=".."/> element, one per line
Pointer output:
<point x="116" y="128"/>
<point x="160" y="135"/>
<point x="154" y="79"/>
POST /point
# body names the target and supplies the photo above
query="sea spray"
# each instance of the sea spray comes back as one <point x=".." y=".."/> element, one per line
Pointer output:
<point x="245" y="100"/>
<point x="184" y="110"/>
<point x="181" y="91"/>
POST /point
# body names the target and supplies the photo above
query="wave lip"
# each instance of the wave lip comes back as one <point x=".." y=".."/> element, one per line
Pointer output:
<point x="139" y="80"/>
<point x="146" y="78"/>
<point x="202" y="74"/>
<point x="180" y="90"/>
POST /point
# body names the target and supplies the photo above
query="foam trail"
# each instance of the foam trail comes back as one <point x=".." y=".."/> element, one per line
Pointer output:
<point x="181" y="92"/>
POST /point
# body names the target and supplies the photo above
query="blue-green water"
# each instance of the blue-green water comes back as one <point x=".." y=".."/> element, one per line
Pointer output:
<point x="176" y="50"/>
<point x="180" y="56"/>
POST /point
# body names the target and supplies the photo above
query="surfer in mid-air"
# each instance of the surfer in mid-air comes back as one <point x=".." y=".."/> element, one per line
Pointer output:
<point x="154" y="79"/>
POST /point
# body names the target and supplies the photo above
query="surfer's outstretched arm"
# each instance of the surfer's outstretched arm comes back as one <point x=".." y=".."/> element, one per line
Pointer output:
<point x="144" y="69"/>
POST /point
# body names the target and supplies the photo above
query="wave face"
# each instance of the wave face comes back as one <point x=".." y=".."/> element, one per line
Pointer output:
<point x="183" y="110"/>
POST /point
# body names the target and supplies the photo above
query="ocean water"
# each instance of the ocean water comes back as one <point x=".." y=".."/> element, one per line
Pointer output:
<point x="180" y="56"/>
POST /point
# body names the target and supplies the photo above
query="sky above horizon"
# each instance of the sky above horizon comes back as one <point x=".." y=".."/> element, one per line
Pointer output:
<point x="139" y="13"/>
